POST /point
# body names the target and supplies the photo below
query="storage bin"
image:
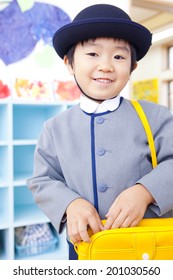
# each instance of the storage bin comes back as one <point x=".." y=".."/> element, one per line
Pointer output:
<point x="35" y="240"/>
<point x="36" y="249"/>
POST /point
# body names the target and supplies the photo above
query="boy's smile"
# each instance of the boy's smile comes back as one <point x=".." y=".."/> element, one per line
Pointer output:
<point x="101" y="67"/>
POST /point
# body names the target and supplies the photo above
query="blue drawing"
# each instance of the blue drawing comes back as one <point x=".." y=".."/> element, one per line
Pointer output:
<point x="20" y="31"/>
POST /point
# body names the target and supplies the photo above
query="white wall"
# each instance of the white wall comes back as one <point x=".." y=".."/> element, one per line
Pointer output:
<point x="73" y="8"/>
<point x="150" y="66"/>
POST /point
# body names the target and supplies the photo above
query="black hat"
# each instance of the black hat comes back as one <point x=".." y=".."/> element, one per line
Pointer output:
<point x="102" y="20"/>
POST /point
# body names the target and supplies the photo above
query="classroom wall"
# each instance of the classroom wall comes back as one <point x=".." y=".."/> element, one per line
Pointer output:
<point x="29" y="68"/>
<point x="154" y="66"/>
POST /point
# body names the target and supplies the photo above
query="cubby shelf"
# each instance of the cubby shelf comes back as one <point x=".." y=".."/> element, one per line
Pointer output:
<point x="20" y="126"/>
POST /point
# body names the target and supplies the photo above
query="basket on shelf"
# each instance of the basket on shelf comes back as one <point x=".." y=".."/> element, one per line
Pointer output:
<point x="34" y="240"/>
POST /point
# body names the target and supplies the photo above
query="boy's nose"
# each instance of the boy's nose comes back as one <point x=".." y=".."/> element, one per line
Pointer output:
<point x="105" y="66"/>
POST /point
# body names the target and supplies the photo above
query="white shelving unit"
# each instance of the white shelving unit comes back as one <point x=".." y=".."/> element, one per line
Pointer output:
<point x="20" y="125"/>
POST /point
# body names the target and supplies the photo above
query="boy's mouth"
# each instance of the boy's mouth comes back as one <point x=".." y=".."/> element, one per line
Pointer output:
<point x="103" y="80"/>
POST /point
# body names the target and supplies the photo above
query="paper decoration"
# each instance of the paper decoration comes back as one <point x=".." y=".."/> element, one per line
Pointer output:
<point x="66" y="90"/>
<point x="146" y="90"/>
<point x="4" y="90"/>
<point x="32" y="90"/>
<point x="21" y="31"/>
<point x="46" y="91"/>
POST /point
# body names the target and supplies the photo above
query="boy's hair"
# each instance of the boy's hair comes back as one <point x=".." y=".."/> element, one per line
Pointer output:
<point x="70" y="55"/>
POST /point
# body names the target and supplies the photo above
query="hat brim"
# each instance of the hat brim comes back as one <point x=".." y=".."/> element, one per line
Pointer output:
<point x="70" y="34"/>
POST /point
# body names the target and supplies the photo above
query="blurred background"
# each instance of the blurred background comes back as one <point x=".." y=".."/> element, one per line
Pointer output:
<point x="35" y="85"/>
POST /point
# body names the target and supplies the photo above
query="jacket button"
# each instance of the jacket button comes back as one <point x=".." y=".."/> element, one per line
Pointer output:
<point x="100" y="120"/>
<point x="101" y="151"/>
<point x="102" y="188"/>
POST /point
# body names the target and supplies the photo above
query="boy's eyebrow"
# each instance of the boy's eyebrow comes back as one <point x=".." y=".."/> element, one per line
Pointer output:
<point x="124" y="48"/>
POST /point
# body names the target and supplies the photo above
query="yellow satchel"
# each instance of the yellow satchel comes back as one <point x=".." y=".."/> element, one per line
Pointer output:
<point x="152" y="239"/>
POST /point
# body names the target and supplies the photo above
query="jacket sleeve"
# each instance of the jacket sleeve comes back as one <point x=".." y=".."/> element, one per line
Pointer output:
<point x="159" y="181"/>
<point x="48" y="185"/>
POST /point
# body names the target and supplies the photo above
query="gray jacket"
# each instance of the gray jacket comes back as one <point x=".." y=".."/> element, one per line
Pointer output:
<point x="87" y="155"/>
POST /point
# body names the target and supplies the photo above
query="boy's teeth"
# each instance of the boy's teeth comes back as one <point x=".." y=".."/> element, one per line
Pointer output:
<point x="104" y="80"/>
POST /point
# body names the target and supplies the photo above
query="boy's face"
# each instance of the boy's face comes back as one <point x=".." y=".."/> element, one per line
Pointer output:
<point x="101" y="67"/>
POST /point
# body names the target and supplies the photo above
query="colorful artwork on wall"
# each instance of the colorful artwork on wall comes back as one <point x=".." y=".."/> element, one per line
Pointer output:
<point x="146" y="90"/>
<point x="37" y="90"/>
<point x="27" y="28"/>
<point x="32" y="90"/>
<point x="67" y="90"/>
<point x="21" y="30"/>
<point x="4" y="90"/>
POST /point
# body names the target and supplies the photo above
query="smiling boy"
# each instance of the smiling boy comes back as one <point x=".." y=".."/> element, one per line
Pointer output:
<point x="93" y="161"/>
<point x="105" y="67"/>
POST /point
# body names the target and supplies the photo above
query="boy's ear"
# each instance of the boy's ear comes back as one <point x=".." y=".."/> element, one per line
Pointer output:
<point x="68" y="65"/>
<point x="135" y="66"/>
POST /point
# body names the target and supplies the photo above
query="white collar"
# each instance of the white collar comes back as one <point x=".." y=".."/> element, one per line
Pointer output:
<point x="90" y="106"/>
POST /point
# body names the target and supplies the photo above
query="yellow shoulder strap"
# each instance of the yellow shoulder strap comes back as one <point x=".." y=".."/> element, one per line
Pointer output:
<point x="147" y="129"/>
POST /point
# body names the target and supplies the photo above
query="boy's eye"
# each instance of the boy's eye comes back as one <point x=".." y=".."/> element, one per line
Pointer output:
<point x="118" y="57"/>
<point x="92" y="54"/>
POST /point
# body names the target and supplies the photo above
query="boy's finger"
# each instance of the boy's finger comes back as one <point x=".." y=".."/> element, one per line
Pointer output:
<point x="109" y="223"/>
<point x="95" y="224"/>
<point x="83" y="231"/>
<point x="111" y="218"/>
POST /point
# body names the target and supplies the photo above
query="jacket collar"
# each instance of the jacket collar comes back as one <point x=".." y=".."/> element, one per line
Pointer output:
<point x="90" y="106"/>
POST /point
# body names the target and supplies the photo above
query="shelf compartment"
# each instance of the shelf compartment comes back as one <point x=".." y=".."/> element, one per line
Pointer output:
<point x="5" y="171"/>
<point x="4" y="208"/>
<point x="4" y="122"/>
<point x="23" y="157"/>
<point x="4" y="244"/>
<point x="26" y="212"/>
<point x="28" y="119"/>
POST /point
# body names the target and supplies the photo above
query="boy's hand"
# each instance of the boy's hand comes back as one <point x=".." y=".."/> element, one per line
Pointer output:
<point x="129" y="207"/>
<point x="80" y="215"/>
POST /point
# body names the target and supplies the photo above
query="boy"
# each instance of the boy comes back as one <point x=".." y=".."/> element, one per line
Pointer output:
<point x="92" y="161"/>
